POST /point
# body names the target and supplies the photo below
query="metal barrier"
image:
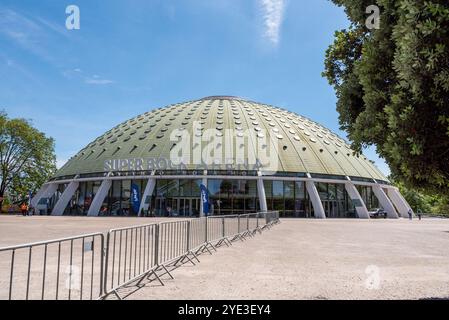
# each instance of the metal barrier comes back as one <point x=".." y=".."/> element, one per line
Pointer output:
<point x="198" y="233"/>
<point x="271" y="218"/>
<point x="128" y="257"/>
<point x="130" y="252"/>
<point x="68" y="268"/>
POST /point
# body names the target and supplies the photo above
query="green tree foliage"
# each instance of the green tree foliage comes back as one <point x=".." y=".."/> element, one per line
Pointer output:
<point x="428" y="204"/>
<point x="27" y="158"/>
<point x="392" y="86"/>
<point x="417" y="200"/>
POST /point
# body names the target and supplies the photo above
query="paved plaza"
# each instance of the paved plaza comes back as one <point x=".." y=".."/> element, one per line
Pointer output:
<point x="297" y="259"/>
<point x="17" y="229"/>
<point x="332" y="259"/>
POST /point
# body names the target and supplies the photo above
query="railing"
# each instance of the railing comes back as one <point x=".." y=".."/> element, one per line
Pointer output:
<point x="88" y="267"/>
<point x="68" y="268"/>
<point x="129" y="252"/>
<point x="271" y="218"/>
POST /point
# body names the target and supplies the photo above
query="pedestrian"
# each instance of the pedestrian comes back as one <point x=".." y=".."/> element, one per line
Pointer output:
<point x="419" y="214"/>
<point x="410" y="214"/>
<point x="24" y="209"/>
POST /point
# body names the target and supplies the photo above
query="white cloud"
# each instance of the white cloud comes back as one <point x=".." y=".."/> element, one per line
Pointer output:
<point x="31" y="34"/>
<point x="98" y="81"/>
<point x="273" y="14"/>
<point x="95" y="79"/>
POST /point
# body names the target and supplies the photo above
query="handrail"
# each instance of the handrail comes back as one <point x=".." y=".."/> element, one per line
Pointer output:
<point x="129" y="254"/>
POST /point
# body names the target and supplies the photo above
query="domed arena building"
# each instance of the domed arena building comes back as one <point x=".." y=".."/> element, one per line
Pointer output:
<point x="250" y="157"/>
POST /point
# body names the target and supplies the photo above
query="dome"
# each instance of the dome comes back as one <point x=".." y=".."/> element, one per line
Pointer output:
<point x="305" y="147"/>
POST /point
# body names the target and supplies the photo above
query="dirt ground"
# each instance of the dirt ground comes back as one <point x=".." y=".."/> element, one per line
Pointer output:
<point x="332" y="259"/>
<point x="297" y="259"/>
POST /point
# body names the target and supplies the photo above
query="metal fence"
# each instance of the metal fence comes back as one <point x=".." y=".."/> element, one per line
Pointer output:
<point x="69" y="268"/>
<point x="88" y="267"/>
<point x="129" y="252"/>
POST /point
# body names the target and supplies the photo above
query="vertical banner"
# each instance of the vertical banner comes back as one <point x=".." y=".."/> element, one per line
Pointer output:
<point x="205" y="199"/>
<point x="135" y="198"/>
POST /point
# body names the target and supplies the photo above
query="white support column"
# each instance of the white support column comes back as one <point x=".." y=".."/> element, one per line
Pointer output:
<point x="39" y="195"/>
<point x="405" y="202"/>
<point x="316" y="201"/>
<point x="149" y="189"/>
<point x="204" y="182"/>
<point x="399" y="202"/>
<point x="95" y="206"/>
<point x="46" y="191"/>
<point x="385" y="202"/>
<point x="60" y="206"/>
<point x="262" y="195"/>
<point x="357" y="200"/>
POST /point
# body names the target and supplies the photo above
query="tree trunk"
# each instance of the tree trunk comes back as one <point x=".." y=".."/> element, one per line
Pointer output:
<point x="1" y="201"/>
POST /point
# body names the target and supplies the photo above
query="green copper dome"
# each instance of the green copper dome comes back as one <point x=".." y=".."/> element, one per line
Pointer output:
<point x="305" y="146"/>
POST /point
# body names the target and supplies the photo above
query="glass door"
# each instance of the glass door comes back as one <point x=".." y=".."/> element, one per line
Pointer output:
<point x="195" y="207"/>
<point x="184" y="207"/>
<point x="330" y="208"/>
<point x="160" y="207"/>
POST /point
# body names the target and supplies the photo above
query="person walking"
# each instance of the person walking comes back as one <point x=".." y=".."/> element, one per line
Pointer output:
<point x="419" y="214"/>
<point x="24" y="209"/>
<point x="410" y="214"/>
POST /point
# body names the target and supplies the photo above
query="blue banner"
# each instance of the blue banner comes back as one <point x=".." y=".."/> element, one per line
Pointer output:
<point x="135" y="198"/>
<point x="205" y="199"/>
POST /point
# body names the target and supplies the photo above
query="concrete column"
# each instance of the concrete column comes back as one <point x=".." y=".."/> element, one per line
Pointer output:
<point x="204" y="182"/>
<point x="149" y="189"/>
<point x="316" y="201"/>
<point x="385" y="202"/>
<point x="262" y="195"/>
<point x="357" y="200"/>
<point x="60" y="206"/>
<point x="39" y="195"/>
<point x="46" y="191"/>
<point x="95" y="206"/>
<point x="399" y="202"/>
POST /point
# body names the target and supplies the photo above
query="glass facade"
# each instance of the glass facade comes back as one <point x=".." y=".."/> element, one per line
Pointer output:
<point x="173" y="198"/>
<point x="336" y="201"/>
<point x="368" y="196"/>
<point x="181" y="197"/>
<point x="233" y="196"/>
<point x="289" y="198"/>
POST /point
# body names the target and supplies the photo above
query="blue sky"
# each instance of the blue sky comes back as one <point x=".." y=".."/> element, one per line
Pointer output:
<point x="132" y="56"/>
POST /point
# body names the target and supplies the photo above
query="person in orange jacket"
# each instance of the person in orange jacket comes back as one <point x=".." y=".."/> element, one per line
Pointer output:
<point x="24" y="209"/>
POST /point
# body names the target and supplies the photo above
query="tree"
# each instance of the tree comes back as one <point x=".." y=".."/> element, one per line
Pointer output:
<point x="416" y="199"/>
<point x="427" y="203"/>
<point x="27" y="158"/>
<point x="392" y="86"/>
